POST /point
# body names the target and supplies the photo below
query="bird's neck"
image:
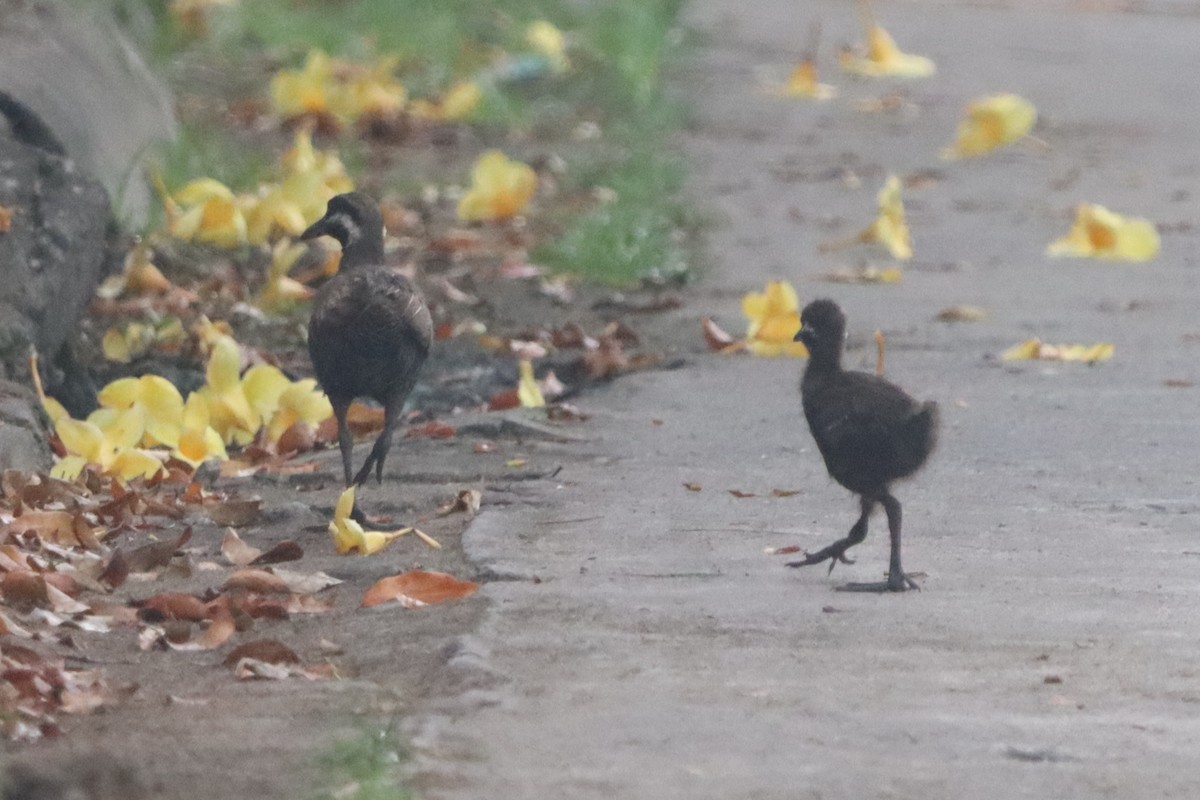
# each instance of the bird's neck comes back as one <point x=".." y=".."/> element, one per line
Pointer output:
<point x="825" y="360"/>
<point x="363" y="251"/>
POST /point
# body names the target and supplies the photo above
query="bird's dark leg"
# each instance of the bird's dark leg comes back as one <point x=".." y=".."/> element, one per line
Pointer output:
<point x="345" y="440"/>
<point x="346" y="445"/>
<point x="837" y="551"/>
<point x="897" y="580"/>
<point x="380" y="450"/>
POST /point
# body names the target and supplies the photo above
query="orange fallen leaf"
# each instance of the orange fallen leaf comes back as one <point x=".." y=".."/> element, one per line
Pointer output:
<point x="418" y="588"/>
<point x="785" y="492"/>
<point x="692" y="487"/>
<point x="5" y="219"/>
<point x="266" y="650"/>
<point x="434" y="429"/>
<point x="173" y="605"/>
<point x="219" y="631"/>
<point x="504" y="400"/>
<point x="782" y="551"/>
<point x="50" y="526"/>
<point x="257" y="580"/>
<point x="740" y="494"/>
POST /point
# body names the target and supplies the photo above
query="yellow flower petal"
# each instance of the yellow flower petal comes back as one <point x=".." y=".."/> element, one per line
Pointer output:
<point x="224" y="364"/>
<point x="460" y="100"/>
<point x="1100" y="233"/>
<point x="299" y="402"/>
<point x="115" y="346"/>
<point x="990" y="123"/>
<point x="55" y="410"/>
<point x="500" y="188"/>
<point x="889" y="228"/>
<point x="548" y="40"/>
<point x="802" y="82"/>
<point x="528" y="392"/>
<point x="884" y="58"/>
<point x="1034" y="350"/>
<point x="263" y="384"/>
<point x="80" y="438"/>
<point x="773" y="318"/>
<point x="130" y="464"/>
<point x="68" y="468"/>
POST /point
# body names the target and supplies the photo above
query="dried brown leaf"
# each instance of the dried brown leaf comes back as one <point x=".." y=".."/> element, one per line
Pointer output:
<point x="286" y="550"/>
<point x="24" y="590"/>
<point x="467" y="501"/>
<point x="714" y="336"/>
<point x="116" y="571"/>
<point x="152" y="556"/>
<point x="236" y="512"/>
<point x="236" y="551"/>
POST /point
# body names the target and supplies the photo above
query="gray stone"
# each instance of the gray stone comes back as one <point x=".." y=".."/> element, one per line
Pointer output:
<point x="53" y="254"/>
<point x="74" y="68"/>
<point x="22" y="435"/>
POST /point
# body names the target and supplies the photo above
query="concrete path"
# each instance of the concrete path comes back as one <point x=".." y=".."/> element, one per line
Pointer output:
<point x="1055" y="648"/>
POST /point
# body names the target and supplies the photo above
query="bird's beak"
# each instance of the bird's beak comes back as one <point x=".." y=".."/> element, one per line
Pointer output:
<point x="318" y="228"/>
<point x="802" y="334"/>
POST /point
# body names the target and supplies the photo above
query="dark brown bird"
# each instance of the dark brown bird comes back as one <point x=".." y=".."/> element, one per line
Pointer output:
<point x="370" y="328"/>
<point x="869" y="431"/>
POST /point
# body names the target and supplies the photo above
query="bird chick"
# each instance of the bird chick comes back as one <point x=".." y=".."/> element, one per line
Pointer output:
<point x="370" y="329"/>
<point x="869" y="431"/>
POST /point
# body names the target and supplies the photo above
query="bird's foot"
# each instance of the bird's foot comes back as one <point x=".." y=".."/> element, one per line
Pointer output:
<point x="364" y="474"/>
<point x="833" y="554"/>
<point x="896" y="582"/>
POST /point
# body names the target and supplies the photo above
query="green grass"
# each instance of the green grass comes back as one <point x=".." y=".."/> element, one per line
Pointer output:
<point x="619" y="49"/>
<point x="363" y="767"/>
<point x="641" y="234"/>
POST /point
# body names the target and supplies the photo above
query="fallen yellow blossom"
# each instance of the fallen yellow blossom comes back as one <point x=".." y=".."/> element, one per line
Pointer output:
<point x="206" y="210"/>
<point x="802" y="82"/>
<point x="500" y="188"/>
<point x="1035" y="350"/>
<point x="458" y="102"/>
<point x="528" y="391"/>
<point x="992" y="122"/>
<point x="773" y="317"/>
<point x="157" y="401"/>
<point x="884" y="59"/>
<point x="889" y="229"/>
<point x="350" y="537"/>
<point x="1100" y="233"/>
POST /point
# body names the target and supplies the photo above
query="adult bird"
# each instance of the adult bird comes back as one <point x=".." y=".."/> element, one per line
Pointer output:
<point x="370" y="329"/>
<point x="869" y="431"/>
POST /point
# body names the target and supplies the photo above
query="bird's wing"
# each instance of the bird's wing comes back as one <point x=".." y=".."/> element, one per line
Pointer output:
<point x="373" y="314"/>
<point x="854" y="420"/>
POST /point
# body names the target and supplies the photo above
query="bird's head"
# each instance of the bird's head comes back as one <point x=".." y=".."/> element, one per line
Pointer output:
<point x="822" y="328"/>
<point x="353" y="219"/>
